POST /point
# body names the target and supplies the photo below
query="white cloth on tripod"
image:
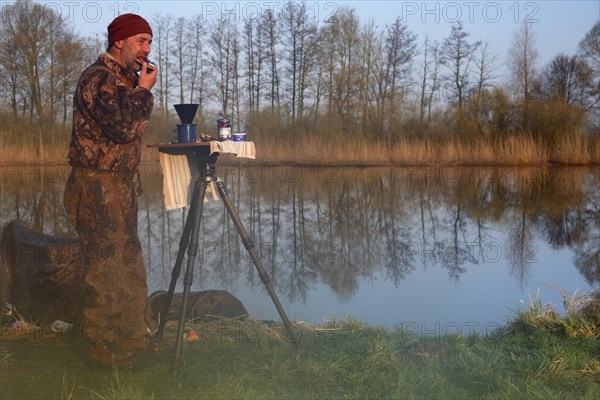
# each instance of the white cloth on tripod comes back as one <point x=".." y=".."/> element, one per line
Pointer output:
<point x="179" y="177"/>
<point x="240" y="149"/>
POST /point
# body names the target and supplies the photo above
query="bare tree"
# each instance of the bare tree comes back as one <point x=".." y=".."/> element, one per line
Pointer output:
<point x="299" y="33"/>
<point x="235" y="75"/>
<point x="485" y="65"/>
<point x="457" y="54"/>
<point x="522" y="60"/>
<point x="589" y="49"/>
<point x="307" y="71"/>
<point x="370" y="57"/>
<point x="251" y="61"/>
<point x="255" y="39"/>
<point x="484" y="68"/>
<point x="568" y="79"/>
<point x="339" y="43"/>
<point x="196" y="63"/>
<point x="180" y="52"/>
<point x="345" y="75"/>
<point x="221" y="43"/>
<point x="399" y="51"/>
<point x="10" y="76"/>
<point x="434" y="77"/>
<point x="425" y="67"/>
<point x="320" y="86"/>
<point x="260" y="60"/>
<point x="270" y="25"/>
<point x="566" y="85"/>
<point x="161" y="43"/>
<point x="72" y="56"/>
<point x="329" y="36"/>
<point x="430" y="72"/>
<point x="32" y="36"/>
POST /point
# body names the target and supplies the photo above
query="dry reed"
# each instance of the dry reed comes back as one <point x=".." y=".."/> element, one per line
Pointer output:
<point x="361" y="151"/>
<point x="576" y="149"/>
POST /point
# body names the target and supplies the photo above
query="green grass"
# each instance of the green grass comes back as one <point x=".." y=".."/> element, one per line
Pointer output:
<point x="345" y="359"/>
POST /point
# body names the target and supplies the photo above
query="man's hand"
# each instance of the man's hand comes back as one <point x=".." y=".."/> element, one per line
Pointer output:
<point x="147" y="77"/>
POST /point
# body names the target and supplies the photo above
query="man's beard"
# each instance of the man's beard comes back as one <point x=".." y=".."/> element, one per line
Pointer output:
<point x="132" y="62"/>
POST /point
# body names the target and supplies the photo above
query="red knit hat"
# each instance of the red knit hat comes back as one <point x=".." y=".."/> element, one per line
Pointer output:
<point x="127" y="25"/>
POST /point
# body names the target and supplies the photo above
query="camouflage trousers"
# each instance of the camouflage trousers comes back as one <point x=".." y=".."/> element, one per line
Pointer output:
<point x="102" y="206"/>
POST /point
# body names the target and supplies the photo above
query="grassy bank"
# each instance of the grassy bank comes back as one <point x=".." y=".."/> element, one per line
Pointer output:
<point x="537" y="355"/>
<point x="361" y="151"/>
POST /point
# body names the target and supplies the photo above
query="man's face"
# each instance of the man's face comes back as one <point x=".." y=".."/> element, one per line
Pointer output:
<point x="135" y="49"/>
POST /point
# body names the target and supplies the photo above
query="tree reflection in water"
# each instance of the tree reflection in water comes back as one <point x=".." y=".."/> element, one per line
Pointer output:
<point x="339" y="226"/>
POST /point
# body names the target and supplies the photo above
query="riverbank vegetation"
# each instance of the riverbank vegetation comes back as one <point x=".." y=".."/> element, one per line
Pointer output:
<point x="357" y="150"/>
<point x="538" y="354"/>
<point x="341" y="92"/>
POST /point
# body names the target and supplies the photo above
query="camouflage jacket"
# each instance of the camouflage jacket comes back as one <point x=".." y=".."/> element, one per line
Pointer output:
<point x="110" y="115"/>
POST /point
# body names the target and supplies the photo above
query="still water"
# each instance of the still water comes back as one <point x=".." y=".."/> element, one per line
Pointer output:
<point x="431" y="250"/>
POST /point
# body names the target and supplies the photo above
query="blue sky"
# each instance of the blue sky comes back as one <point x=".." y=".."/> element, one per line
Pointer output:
<point x="559" y="25"/>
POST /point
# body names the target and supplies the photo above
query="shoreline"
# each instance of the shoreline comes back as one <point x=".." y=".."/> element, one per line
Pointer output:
<point x="361" y="152"/>
<point x="312" y="150"/>
<point x="536" y="351"/>
<point x="338" y="164"/>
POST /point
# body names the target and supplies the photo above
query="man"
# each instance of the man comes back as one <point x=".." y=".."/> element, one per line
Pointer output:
<point x="111" y="110"/>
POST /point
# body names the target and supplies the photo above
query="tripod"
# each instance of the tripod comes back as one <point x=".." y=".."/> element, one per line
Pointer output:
<point x="189" y="240"/>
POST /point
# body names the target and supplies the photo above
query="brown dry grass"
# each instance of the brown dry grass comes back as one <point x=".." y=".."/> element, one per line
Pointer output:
<point x="576" y="149"/>
<point x="19" y="153"/>
<point x="362" y="151"/>
<point x="54" y="153"/>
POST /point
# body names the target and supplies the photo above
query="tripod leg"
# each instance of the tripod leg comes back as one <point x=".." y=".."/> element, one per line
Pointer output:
<point x="189" y="271"/>
<point x="249" y="245"/>
<point x="183" y="244"/>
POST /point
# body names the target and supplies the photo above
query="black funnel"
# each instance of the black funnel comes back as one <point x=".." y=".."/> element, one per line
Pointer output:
<point x="186" y="112"/>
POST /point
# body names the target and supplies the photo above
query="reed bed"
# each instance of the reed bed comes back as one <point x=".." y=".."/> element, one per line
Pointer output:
<point x="510" y="151"/>
<point x="522" y="150"/>
<point x="576" y="149"/>
<point x="28" y="154"/>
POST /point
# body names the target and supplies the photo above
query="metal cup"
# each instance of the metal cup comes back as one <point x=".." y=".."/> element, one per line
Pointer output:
<point x="186" y="133"/>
